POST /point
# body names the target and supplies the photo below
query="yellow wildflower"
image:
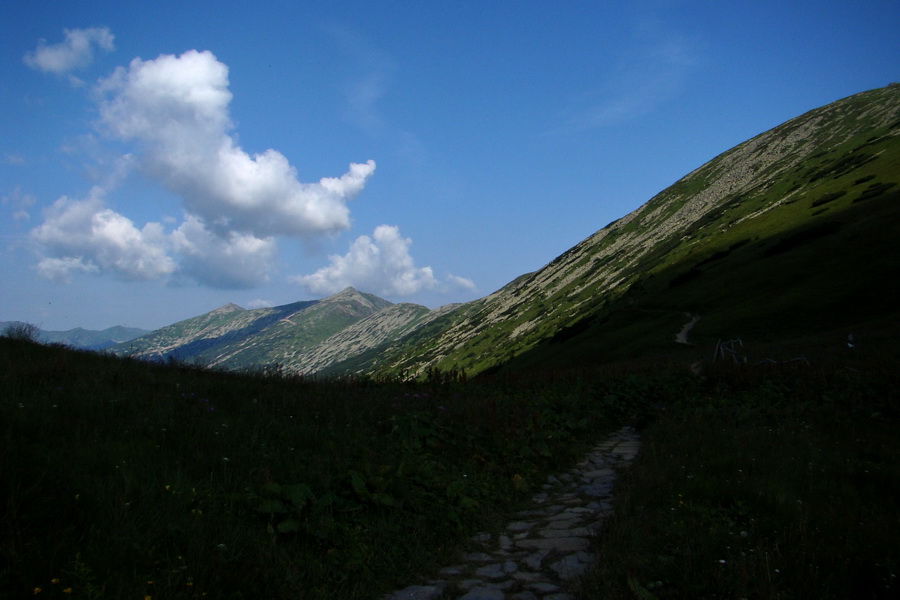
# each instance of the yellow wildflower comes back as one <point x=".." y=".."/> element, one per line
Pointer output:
<point x="37" y="591"/>
<point x="54" y="580"/>
<point x="68" y="590"/>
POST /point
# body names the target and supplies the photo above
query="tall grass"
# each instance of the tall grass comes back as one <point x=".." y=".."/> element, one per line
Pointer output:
<point x="122" y="479"/>
<point x="769" y="482"/>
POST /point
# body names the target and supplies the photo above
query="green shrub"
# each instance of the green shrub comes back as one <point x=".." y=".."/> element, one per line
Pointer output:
<point x="874" y="190"/>
<point x="827" y="198"/>
<point x="21" y="331"/>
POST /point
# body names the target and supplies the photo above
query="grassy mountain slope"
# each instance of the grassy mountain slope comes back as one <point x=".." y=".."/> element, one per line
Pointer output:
<point x="355" y="349"/>
<point x="190" y="337"/>
<point x="281" y="340"/>
<point x="787" y="232"/>
<point x="302" y="337"/>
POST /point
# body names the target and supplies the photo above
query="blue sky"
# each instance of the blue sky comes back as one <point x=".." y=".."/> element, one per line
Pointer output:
<point x="158" y="160"/>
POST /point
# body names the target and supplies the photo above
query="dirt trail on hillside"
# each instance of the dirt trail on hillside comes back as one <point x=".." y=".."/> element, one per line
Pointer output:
<point x="682" y="336"/>
<point x="544" y="549"/>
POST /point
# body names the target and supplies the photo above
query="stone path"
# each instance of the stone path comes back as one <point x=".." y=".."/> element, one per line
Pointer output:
<point x="544" y="547"/>
<point x="682" y="336"/>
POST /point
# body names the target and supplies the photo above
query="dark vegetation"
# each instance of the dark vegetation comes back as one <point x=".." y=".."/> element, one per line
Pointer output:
<point x="874" y="190"/>
<point x="774" y="480"/>
<point x="124" y="479"/>
<point x="761" y="478"/>
<point x="830" y="197"/>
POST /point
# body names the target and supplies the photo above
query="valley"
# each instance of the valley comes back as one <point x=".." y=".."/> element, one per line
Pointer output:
<point x="351" y="447"/>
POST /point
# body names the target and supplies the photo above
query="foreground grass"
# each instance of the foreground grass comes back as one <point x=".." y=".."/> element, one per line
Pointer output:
<point x="121" y="479"/>
<point x="769" y="482"/>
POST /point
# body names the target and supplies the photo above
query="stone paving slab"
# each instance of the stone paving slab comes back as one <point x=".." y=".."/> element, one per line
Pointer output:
<point x="544" y="548"/>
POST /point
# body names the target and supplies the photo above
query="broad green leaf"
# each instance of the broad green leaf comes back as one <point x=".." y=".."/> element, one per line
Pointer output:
<point x="384" y="499"/>
<point x="272" y="506"/>
<point x="289" y="526"/>
<point x="299" y="494"/>
<point x="359" y="484"/>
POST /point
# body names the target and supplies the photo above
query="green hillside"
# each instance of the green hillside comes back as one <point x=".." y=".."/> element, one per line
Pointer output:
<point x="790" y="233"/>
<point x="234" y="338"/>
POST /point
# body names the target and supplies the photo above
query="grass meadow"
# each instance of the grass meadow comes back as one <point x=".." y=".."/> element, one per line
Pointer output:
<point x="780" y="480"/>
<point x="124" y="479"/>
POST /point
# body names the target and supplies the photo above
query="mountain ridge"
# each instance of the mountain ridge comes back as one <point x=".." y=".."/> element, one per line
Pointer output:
<point x="79" y="337"/>
<point x="663" y="230"/>
<point x="768" y="201"/>
<point x="296" y="337"/>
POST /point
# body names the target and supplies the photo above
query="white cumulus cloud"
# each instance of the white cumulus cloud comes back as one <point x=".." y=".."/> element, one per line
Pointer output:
<point x="85" y="236"/>
<point x="230" y="260"/>
<point x="176" y="109"/>
<point x="75" y="52"/>
<point x="380" y="264"/>
<point x="260" y="303"/>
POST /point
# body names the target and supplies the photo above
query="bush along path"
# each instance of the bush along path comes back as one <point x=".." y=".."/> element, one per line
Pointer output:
<point x="545" y="547"/>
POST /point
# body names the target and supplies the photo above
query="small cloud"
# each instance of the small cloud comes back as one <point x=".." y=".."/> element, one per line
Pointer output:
<point x="362" y="102"/>
<point x="651" y="74"/>
<point x="19" y="203"/>
<point x="260" y="303"/>
<point x="75" y="52"/>
<point x="373" y="71"/>
<point x="380" y="264"/>
<point x="461" y="283"/>
<point x="14" y="159"/>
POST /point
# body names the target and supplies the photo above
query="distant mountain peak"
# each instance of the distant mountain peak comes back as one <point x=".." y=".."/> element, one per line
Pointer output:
<point x="348" y="293"/>
<point x="228" y="308"/>
<point x="351" y="294"/>
<point x="89" y="339"/>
